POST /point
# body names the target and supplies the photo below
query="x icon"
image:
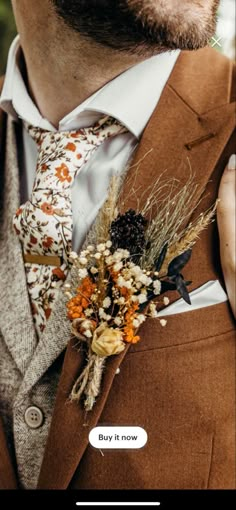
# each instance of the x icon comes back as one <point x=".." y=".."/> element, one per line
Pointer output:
<point x="216" y="41"/>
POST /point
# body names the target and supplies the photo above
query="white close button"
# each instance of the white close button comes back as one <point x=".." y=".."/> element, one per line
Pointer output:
<point x="33" y="417"/>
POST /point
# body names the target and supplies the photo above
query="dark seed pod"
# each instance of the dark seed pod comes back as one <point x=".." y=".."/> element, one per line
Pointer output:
<point x="128" y="232"/>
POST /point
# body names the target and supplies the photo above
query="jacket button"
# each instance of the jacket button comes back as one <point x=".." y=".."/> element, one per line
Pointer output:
<point x="33" y="417"/>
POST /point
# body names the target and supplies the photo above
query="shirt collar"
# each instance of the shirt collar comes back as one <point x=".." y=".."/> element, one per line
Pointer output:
<point x="131" y="97"/>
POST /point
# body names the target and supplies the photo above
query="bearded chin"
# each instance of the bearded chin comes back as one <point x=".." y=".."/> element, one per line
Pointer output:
<point x="134" y="27"/>
<point x="183" y="29"/>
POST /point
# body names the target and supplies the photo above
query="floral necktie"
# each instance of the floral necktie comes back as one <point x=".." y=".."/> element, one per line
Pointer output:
<point x="44" y="223"/>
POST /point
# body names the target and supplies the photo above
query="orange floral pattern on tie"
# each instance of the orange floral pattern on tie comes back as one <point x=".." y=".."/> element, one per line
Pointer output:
<point x="44" y="223"/>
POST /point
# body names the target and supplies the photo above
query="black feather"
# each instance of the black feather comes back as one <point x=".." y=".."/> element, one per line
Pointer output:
<point x="165" y="286"/>
<point x="179" y="262"/>
<point x="182" y="289"/>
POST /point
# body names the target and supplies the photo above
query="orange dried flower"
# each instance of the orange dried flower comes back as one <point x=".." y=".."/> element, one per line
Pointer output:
<point x="81" y="301"/>
<point x="125" y="293"/>
<point x="129" y="329"/>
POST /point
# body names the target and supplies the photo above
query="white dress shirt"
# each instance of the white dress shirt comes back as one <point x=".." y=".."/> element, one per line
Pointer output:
<point x="131" y="98"/>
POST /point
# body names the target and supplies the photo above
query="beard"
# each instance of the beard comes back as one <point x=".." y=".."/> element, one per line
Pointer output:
<point x="141" y="27"/>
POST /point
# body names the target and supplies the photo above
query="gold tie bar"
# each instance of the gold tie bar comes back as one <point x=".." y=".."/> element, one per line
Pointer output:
<point x="43" y="259"/>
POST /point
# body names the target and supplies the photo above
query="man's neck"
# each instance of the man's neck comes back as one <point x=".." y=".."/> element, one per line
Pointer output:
<point x="58" y="85"/>
<point x="64" y="69"/>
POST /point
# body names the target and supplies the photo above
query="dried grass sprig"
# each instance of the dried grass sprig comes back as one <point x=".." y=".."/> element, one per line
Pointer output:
<point x="107" y="215"/>
<point x="174" y="207"/>
<point x="188" y="238"/>
<point x="108" y="212"/>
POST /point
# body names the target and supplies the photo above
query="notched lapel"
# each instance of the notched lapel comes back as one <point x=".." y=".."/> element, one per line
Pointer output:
<point x="14" y="304"/>
<point x="163" y="148"/>
<point x="52" y="342"/>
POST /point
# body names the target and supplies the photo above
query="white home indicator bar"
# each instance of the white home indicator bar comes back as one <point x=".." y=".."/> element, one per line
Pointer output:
<point x="121" y="503"/>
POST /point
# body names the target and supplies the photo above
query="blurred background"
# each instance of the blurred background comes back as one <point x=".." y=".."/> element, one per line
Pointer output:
<point x="224" y="39"/>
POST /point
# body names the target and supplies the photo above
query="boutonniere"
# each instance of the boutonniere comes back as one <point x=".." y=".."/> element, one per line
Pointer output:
<point x="122" y="273"/>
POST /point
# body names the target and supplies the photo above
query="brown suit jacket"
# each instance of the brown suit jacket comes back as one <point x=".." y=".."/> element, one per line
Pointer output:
<point x="178" y="382"/>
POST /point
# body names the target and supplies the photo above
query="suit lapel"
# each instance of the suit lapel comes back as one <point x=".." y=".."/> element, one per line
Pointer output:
<point x="14" y="305"/>
<point x="175" y="138"/>
<point x="51" y="344"/>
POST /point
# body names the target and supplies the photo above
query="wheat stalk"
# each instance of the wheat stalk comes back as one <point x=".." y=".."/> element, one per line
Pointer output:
<point x="188" y="238"/>
<point x="173" y="208"/>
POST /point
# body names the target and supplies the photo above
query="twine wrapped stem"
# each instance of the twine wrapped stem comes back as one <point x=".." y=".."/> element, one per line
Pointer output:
<point x="89" y="381"/>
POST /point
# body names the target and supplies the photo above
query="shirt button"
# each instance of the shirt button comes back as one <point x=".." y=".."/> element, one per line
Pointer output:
<point x="33" y="417"/>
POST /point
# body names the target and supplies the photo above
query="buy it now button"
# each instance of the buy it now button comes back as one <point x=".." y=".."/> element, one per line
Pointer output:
<point x="118" y="437"/>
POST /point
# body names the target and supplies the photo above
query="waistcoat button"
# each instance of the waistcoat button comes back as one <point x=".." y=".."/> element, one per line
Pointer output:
<point x="33" y="417"/>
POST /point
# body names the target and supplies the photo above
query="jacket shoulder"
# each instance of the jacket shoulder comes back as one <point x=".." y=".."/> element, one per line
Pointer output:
<point x="204" y="79"/>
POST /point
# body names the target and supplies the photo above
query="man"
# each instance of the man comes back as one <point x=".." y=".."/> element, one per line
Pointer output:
<point x="75" y="62"/>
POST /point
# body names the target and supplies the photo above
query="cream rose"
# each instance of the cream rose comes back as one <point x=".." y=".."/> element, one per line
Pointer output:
<point x="107" y="341"/>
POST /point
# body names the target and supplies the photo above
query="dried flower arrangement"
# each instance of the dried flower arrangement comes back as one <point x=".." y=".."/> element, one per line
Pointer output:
<point x="129" y="263"/>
